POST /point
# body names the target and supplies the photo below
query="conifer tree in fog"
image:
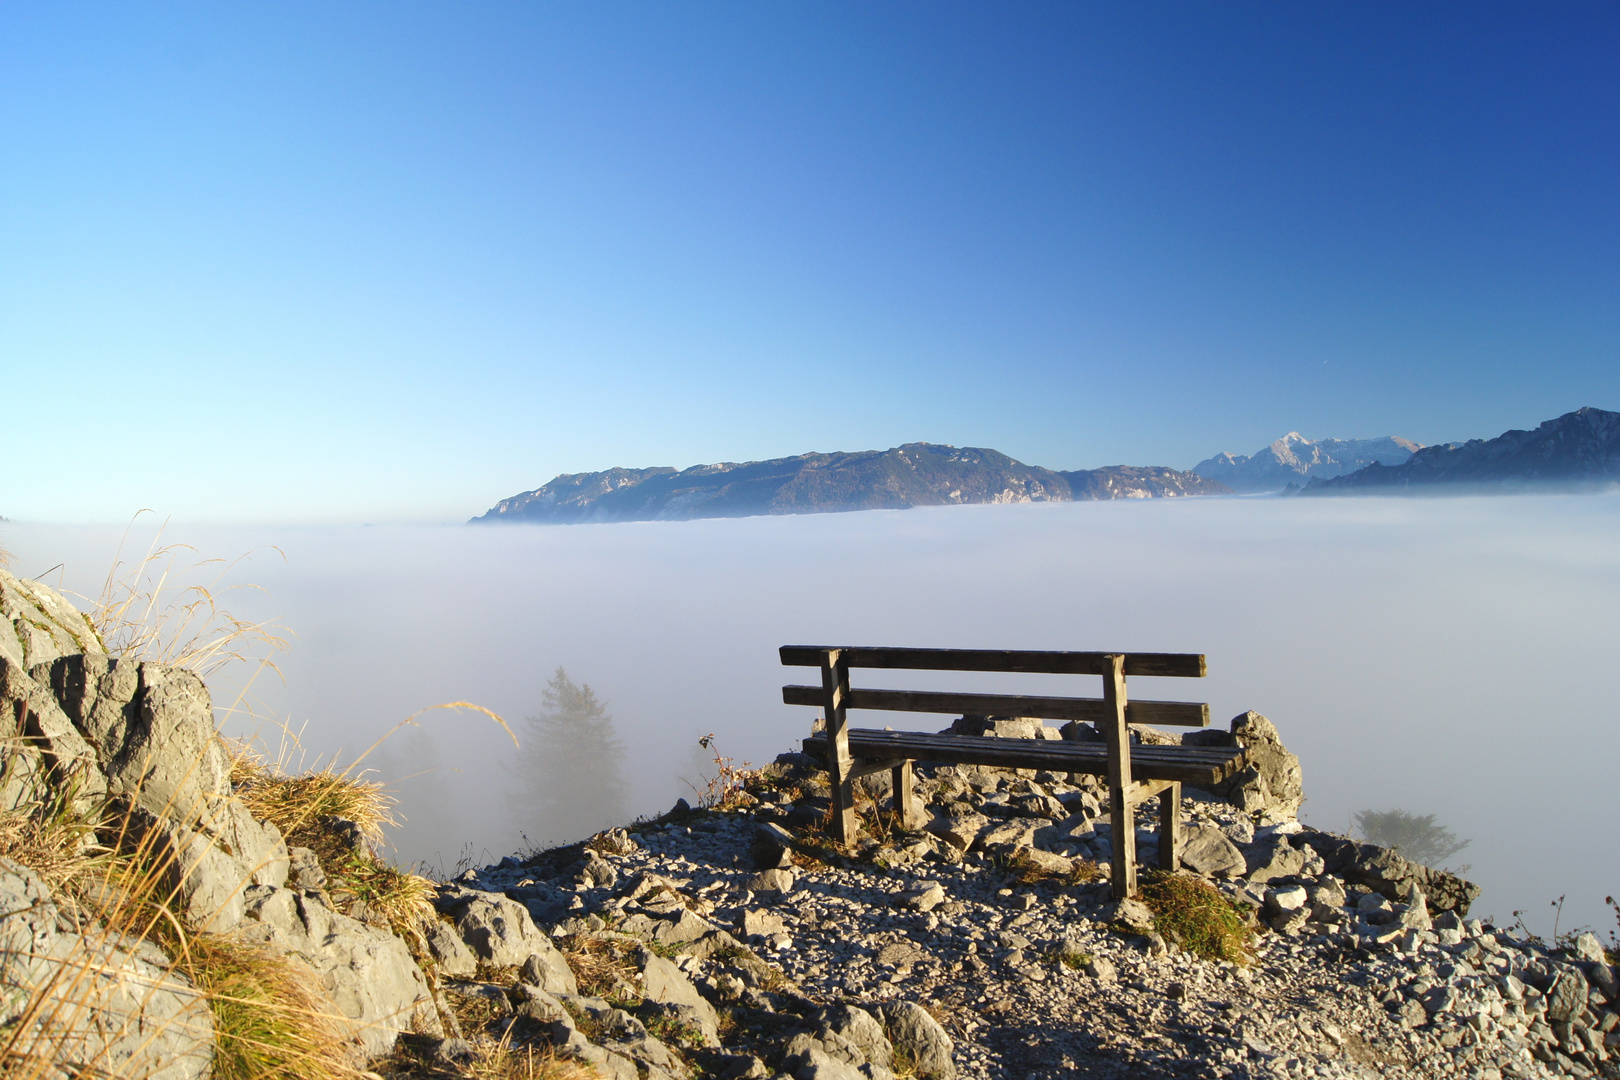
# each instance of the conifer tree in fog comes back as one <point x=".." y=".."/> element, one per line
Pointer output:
<point x="568" y="779"/>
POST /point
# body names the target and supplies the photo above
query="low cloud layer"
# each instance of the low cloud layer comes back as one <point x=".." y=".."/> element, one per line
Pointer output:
<point x="1445" y="656"/>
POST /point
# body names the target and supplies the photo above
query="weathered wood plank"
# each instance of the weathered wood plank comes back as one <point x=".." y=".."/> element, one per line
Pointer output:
<point x="1143" y="790"/>
<point x="901" y="786"/>
<point x="1169" y="827"/>
<point x="868" y="766"/>
<point x="835" y="689"/>
<point x="1092" y="710"/>
<point x="1117" y="735"/>
<point x="1200" y="766"/>
<point x="1177" y="665"/>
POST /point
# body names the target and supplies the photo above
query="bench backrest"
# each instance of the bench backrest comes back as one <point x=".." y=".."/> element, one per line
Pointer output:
<point x="836" y="662"/>
<point x="1113" y="713"/>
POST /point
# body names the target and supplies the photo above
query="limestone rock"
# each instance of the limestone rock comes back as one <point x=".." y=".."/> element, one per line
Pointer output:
<point x="1000" y="727"/>
<point x="961" y="831"/>
<point x="152" y="730"/>
<point x="807" y="1057"/>
<point x="772" y="847"/>
<point x="860" y="1028"/>
<point x="596" y="872"/>
<point x="921" y="896"/>
<point x="369" y="973"/>
<point x="499" y="931"/>
<point x="1006" y="837"/>
<point x="1273" y="858"/>
<point x="455" y="960"/>
<point x="758" y="923"/>
<point x="917" y="1034"/>
<point x="772" y="881"/>
<point x="1388" y="873"/>
<point x="1566" y="997"/>
<point x="1207" y="851"/>
<point x="1133" y="915"/>
<point x="107" y="1005"/>
<point x="37" y="624"/>
<point x="1272" y="784"/>
<point x="663" y="982"/>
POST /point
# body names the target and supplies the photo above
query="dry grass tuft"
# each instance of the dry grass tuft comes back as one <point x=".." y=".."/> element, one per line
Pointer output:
<point x="271" y="1017"/>
<point x="1027" y="872"/>
<point x="305" y="808"/>
<point x="300" y="805"/>
<point x="144" y="612"/>
<point x="50" y="829"/>
<point x="489" y="1060"/>
<point x="603" y="967"/>
<point x="1192" y="913"/>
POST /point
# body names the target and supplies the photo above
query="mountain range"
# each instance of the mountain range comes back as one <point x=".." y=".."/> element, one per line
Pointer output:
<point x="1294" y="459"/>
<point x="1577" y="450"/>
<point x="916" y="474"/>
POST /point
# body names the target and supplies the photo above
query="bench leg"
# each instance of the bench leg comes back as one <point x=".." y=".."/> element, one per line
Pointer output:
<point x="835" y="690"/>
<point x="901" y="775"/>
<point x="1122" y="824"/>
<point x="1170" y="827"/>
<point x="1121" y="817"/>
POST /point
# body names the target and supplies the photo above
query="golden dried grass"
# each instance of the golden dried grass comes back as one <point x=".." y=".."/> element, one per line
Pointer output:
<point x="146" y="611"/>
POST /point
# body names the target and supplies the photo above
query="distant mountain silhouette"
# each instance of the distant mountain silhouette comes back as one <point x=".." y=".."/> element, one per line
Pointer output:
<point x="1294" y="459"/>
<point x="916" y="474"/>
<point x="1577" y="450"/>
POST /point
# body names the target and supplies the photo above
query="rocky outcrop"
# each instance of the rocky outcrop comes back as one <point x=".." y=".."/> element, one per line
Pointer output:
<point x="916" y="474"/>
<point x="140" y="738"/>
<point x="369" y="974"/>
<point x="1272" y="785"/>
<point x="945" y="955"/>
<point x="89" y="1001"/>
<point x="37" y="624"/>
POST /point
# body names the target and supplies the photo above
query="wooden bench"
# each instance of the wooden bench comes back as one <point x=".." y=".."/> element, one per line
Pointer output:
<point x="1135" y="773"/>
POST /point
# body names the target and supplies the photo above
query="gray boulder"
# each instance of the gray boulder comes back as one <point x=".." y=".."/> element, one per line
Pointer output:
<point x="915" y="1033"/>
<point x="1272" y="858"/>
<point x="808" y="1057"/>
<point x="449" y="952"/>
<point x="152" y="732"/>
<point x="861" y="1029"/>
<point x="500" y="932"/>
<point x="1567" y="996"/>
<point x="769" y="881"/>
<point x="1272" y="784"/>
<point x="1207" y="851"/>
<point x="664" y="983"/>
<point x="1000" y="727"/>
<point x="96" y="1003"/>
<point x="772" y="847"/>
<point x="37" y="624"/>
<point x="961" y="831"/>
<point x="369" y="973"/>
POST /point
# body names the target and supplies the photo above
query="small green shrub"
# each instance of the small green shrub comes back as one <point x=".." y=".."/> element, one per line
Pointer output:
<point x="1192" y="913"/>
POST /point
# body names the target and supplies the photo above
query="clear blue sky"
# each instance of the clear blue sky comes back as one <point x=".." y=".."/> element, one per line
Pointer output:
<point x="396" y="261"/>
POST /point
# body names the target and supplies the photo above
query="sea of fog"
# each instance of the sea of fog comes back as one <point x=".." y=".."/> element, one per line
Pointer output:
<point x="1451" y="656"/>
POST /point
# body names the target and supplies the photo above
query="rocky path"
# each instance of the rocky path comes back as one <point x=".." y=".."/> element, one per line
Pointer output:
<point x="1050" y="979"/>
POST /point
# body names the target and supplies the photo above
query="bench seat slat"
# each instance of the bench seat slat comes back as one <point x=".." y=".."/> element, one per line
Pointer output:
<point x="1166" y="713"/>
<point x="1177" y="665"/>
<point x="1192" y="765"/>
